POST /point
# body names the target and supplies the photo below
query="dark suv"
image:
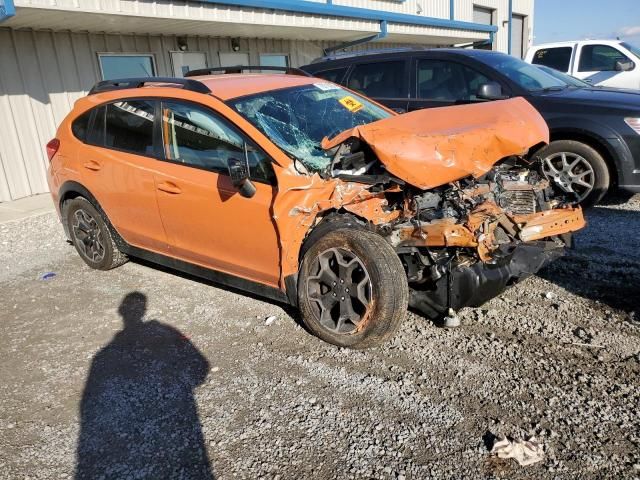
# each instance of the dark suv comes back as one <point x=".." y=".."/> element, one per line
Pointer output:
<point x="595" y="132"/>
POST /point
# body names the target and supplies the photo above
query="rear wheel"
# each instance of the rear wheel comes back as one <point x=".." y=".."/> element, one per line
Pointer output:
<point x="575" y="169"/>
<point x="90" y="235"/>
<point x="352" y="289"/>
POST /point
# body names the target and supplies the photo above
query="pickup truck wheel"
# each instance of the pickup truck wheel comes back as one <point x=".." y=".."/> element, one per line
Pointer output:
<point x="576" y="169"/>
<point x="352" y="289"/>
<point x="91" y="236"/>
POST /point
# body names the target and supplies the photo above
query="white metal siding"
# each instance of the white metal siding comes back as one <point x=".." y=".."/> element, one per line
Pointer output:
<point x="44" y="73"/>
<point x="464" y="12"/>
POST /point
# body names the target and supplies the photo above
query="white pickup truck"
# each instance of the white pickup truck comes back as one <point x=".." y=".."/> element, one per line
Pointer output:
<point x="611" y="63"/>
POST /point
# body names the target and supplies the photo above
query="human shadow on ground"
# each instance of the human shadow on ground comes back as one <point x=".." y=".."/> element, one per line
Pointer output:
<point x="138" y="415"/>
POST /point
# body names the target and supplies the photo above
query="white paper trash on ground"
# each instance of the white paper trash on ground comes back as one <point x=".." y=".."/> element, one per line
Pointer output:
<point x="525" y="452"/>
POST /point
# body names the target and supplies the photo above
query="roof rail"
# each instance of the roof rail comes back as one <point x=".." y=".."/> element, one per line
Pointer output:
<point x="241" y="68"/>
<point x="124" y="83"/>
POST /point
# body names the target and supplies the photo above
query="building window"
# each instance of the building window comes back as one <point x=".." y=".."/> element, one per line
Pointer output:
<point x="116" y="65"/>
<point x="274" y="60"/>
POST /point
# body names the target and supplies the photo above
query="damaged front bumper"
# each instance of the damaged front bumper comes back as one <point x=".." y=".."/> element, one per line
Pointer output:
<point x="498" y="249"/>
<point x="472" y="285"/>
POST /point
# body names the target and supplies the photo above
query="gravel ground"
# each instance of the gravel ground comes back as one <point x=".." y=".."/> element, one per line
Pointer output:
<point x="143" y="373"/>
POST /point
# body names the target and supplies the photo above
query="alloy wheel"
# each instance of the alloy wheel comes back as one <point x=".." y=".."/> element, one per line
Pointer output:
<point x="89" y="238"/>
<point x="571" y="172"/>
<point x="340" y="290"/>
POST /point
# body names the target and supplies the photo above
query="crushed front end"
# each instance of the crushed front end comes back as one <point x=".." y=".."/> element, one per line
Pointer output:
<point x="466" y="211"/>
<point x="464" y="243"/>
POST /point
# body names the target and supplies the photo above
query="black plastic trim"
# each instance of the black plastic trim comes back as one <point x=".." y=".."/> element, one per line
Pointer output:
<point x="208" y="274"/>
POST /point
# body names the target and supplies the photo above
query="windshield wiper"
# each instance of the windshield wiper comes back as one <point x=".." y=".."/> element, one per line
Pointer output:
<point x="555" y="88"/>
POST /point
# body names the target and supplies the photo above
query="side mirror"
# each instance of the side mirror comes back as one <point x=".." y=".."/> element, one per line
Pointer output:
<point x="239" y="174"/>
<point x="624" y="66"/>
<point x="490" y="91"/>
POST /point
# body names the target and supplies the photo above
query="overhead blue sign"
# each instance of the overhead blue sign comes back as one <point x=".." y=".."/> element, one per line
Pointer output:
<point x="7" y="9"/>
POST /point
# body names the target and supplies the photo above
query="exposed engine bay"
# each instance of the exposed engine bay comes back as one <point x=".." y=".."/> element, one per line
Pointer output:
<point x="464" y="242"/>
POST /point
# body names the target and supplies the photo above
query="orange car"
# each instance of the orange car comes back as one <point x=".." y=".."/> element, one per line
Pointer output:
<point x="300" y="190"/>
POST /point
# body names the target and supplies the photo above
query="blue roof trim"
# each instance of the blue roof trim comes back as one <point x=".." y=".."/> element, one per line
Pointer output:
<point x="378" y="36"/>
<point x="7" y="9"/>
<point x="330" y="9"/>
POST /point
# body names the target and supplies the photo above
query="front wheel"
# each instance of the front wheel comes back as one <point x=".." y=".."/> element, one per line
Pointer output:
<point x="352" y="289"/>
<point x="575" y="169"/>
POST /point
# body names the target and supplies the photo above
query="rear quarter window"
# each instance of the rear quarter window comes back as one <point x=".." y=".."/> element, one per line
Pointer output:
<point x="80" y="126"/>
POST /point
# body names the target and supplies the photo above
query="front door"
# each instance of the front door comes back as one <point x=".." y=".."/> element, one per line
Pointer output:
<point x="597" y="66"/>
<point x="206" y="219"/>
<point x="440" y="83"/>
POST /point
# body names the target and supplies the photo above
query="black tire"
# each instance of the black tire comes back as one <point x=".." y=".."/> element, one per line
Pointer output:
<point x="91" y="236"/>
<point x="551" y="156"/>
<point x="372" y="268"/>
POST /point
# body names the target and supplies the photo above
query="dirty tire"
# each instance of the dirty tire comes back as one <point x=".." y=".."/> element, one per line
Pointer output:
<point x="368" y="256"/>
<point x="91" y="236"/>
<point x="601" y="176"/>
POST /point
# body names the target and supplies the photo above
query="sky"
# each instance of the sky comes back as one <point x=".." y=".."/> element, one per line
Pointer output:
<point x="559" y="20"/>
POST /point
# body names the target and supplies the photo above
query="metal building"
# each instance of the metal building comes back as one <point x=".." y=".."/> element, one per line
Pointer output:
<point x="53" y="51"/>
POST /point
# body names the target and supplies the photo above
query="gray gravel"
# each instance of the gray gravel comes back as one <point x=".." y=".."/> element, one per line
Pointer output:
<point x="203" y="386"/>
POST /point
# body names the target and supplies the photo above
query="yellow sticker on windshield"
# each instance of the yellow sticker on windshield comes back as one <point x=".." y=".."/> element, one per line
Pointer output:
<point x="351" y="104"/>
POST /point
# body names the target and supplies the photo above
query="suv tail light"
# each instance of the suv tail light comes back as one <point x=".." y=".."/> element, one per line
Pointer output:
<point x="52" y="148"/>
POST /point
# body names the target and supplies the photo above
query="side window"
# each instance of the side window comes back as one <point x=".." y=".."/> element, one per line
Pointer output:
<point x="381" y="79"/>
<point x="80" y="126"/>
<point x="128" y="126"/>
<point x="599" y="58"/>
<point x="197" y="137"/>
<point x="447" y="81"/>
<point x="558" y="58"/>
<point x="335" y="75"/>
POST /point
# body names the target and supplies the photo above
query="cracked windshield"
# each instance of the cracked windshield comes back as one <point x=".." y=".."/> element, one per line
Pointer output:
<point x="297" y="119"/>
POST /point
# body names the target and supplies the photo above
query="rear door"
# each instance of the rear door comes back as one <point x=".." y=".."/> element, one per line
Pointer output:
<point x="116" y="165"/>
<point x="558" y="58"/>
<point x="207" y="221"/>
<point x="386" y="81"/>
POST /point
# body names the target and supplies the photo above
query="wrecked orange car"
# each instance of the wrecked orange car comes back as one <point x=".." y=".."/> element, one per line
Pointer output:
<point x="305" y="192"/>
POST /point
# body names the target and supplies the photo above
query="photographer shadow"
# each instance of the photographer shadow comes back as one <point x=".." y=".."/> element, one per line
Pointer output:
<point x="138" y="415"/>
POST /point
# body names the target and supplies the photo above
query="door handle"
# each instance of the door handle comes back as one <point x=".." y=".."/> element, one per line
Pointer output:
<point x="169" y="187"/>
<point x="92" y="165"/>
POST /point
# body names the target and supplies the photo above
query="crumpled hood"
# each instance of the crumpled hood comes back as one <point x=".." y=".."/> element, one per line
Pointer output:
<point x="431" y="147"/>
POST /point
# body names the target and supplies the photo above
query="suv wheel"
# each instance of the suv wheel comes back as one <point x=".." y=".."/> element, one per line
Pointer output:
<point x="352" y="289"/>
<point x="91" y="236"/>
<point x="575" y="169"/>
